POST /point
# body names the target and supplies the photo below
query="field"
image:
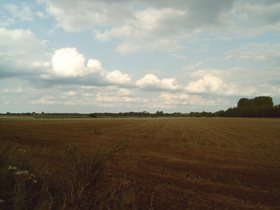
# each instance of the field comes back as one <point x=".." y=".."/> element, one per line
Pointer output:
<point x="181" y="163"/>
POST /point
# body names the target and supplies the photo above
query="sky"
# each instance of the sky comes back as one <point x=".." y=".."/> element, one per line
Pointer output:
<point x="119" y="56"/>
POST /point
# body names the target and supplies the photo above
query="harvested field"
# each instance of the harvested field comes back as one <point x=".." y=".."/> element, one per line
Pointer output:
<point x="172" y="163"/>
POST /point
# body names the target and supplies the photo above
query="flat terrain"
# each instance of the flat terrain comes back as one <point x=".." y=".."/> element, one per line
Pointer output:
<point x="172" y="163"/>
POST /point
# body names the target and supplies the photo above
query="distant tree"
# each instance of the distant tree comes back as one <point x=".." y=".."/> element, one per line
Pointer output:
<point x="176" y="114"/>
<point x="263" y="101"/>
<point x="276" y="111"/>
<point x="257" y="101"/>
<point x="220" y="113"/>
<point x="159" y="113"/>
<point x="261" y="106"/>
<point x="244" y="102"/>
<point x="92" y="115"/>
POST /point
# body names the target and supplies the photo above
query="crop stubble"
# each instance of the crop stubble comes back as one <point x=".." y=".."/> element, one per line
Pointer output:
<point x="180" y="163"/>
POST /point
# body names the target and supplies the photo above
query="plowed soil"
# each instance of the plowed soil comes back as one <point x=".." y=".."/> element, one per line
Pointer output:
<point x="173" y="163"/>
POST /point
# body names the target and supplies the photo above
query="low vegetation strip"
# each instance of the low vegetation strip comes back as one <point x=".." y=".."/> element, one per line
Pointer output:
<point x="258" y="107"/>
<point x="30" y="183"/>
<point x="146" y="164"/>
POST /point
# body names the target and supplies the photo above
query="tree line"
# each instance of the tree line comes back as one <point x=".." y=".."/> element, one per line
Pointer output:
<point x="261" y="106"/>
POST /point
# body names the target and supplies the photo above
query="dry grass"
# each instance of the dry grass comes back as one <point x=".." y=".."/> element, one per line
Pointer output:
<point x="171" y="163"/>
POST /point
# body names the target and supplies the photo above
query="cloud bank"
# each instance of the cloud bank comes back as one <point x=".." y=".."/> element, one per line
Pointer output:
<point x="93" y="55"/>
<point x="165" y="26"/>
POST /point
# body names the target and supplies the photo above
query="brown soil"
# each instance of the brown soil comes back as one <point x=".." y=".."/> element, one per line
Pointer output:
<point x="173" y="163"/>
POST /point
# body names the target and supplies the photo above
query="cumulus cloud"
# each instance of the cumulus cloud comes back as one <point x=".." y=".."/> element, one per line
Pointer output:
<point x="94" y="65"/>
<point x="236" y="81"/>
<point x="117" y="77"/>
<point x="151" y="82"/>
<point x="69" y="64"/>
<point x="214" y="82"/>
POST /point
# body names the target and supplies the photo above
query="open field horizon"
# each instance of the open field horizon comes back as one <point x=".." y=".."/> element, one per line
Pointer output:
<point x="174" y="163"/>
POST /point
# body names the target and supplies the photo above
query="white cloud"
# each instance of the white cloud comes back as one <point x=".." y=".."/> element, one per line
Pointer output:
<point x="193" y="66"/>
<point x="68" y="62"/>
<point x="22" y="12"/>
<point x="47" y="100"/>
<point x="149" y="14"/>
<point x="258" y="12"/>
<point x="18" y="90"/>
<point x="21" y="52"/>
<point x="100" y="98"/>
<point x="71" y="93"/>
<point x="94" y="65"/>
<point x="76" y="16"/>
<point x="236" y="81"/>
<point x="128" y="47"/>
<point x="185" y="99"/>
<point x="178" y="56"/>
<point x="150" y="30"/>
<point x="19" y="42"/>
<point x="156" y="26"/>
<point x="266" y="53"/>
<point x="151" y="82"/>
<point x="116" y="77"/>
<point x="183" y="102"/>
<point x="152" y="26"/>
<point x="5" y="22"/>
<point x="181" y="28"/>
<point x="208" y="84"/>
<point x="41" y="15"/>
<point x="214" y="82"/>
<point x="173" y="98"/>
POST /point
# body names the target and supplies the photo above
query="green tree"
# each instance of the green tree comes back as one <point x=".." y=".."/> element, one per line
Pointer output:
<point x="244" y="102"/>
<point x="159" y="113"/>
<point x="263" y="101"/>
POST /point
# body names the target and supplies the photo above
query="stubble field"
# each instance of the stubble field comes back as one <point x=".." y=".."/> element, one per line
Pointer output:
<point x="171" y="163"/>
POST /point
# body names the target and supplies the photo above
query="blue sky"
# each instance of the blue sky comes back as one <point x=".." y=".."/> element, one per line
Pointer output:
<point x="117" y="56"/>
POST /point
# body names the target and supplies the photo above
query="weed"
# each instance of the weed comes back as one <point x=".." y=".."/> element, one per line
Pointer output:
<point x="122" y="196"/>
<point x="27" y="183"/>
<point x="86" y="170"/>
<point x="16" y="179"/>
<point x="97" y="131"/>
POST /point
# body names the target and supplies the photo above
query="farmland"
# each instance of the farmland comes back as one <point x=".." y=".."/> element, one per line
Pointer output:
<point x="170" y="163"/>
